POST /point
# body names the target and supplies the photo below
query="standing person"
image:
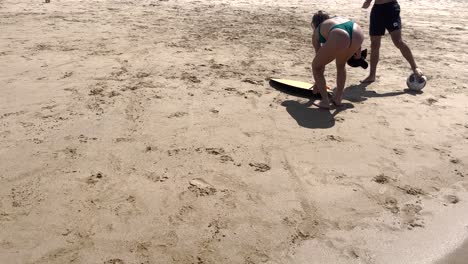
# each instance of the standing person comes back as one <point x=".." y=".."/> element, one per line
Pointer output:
<point x="385" y="15"/>
<point x="334" y="38"/>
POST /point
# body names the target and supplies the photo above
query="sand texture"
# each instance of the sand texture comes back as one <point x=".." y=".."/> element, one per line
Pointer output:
<point x="141" y="132"/>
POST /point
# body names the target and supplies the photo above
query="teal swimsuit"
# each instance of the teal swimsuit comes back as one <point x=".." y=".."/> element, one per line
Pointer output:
<point x="347" y="26"/>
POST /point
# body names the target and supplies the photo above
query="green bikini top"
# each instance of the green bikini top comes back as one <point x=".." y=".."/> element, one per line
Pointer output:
<point x="347" y="26"/>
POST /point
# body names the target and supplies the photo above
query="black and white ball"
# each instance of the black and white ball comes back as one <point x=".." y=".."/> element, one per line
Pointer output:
<point x="416" y="84"/>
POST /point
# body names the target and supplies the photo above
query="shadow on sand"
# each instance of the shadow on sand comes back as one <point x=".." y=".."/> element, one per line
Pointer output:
<point x="359" y="93"/>
<point x="313" y="117"/>
<point x="318" y="118"/>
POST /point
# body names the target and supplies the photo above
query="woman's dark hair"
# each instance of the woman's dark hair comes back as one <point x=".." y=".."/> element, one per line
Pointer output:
<point x="319" y="17"/>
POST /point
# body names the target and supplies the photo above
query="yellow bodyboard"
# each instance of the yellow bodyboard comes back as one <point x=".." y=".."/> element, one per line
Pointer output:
<point x="295" y="84"/>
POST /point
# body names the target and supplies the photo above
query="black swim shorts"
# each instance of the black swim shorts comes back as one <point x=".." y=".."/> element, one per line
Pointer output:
<point x="384" y="16"/>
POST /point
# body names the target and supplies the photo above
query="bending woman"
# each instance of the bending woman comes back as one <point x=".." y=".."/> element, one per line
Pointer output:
<point x="334" y="38"/>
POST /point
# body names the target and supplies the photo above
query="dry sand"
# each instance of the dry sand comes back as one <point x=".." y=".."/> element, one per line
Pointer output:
<point x="147" y="132"/>
<point x="459" y="256"/>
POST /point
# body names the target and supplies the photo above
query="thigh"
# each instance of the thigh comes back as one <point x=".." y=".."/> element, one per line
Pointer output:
<point x="392" y="17"/>
<point x="325" y="55"/>
<point x="358" y="37"/>
<point x="377" y="22"/>
<point x="344" y="53"/>
<point x="396" y="36"/>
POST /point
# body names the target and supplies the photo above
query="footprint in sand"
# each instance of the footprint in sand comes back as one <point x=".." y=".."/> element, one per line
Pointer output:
<point x="339" y="119"/>
<point x="156" y="177"/>
<point x="37" y="141"/>
<point x="381" y="179"/>
<point x="150" y="148"/>
<point x="230" y="89"/>
<point x="69" y="152"/>
<point x="215" y="151"/>
<point x="173" y="152"/>
<point x="411" y="215"/>
<point x="251" y="81"/>
<point x="261" y="167"/>
<point x="178" y="114"/>
<point x="96" y="91"/>
<point x="398" y="151"/>
<point x="141" y="75"/>
<point x="392" y="205"/>
<point x="84" y="139"/>
<point x="189" y="77"/>
<point x="94" y="178"/>
<point x="216" y="226"/>
<point x="226" y="158"/>
<point x="114" y="261"/>
<point x="113" y="94"/>
<point x="412" y="190"/>
<point x="201" y="188"/>
<point x="430" y="101"/>
<point x="453" y="199"/>
<point x="254" y="92"/>
<point x="383" y="121"/>
<point x="66" y="75"/>
<point x="334" y="138"/>
<point x="459" y="173"/>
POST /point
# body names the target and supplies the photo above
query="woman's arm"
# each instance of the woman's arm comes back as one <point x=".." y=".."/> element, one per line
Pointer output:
<point x="315" y="40"/>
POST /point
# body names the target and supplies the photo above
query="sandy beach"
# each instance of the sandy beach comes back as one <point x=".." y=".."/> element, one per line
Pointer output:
<point x="147" y="132"/>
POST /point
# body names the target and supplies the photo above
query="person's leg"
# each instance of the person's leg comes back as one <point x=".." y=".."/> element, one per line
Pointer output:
<point x="342" y="57"/>
<point x="340" y="80"/>
<point x="376" y="31"/>
<point x="405" y="51"/>
<point x="374" y="58"/>
<point x="325" y="55"/>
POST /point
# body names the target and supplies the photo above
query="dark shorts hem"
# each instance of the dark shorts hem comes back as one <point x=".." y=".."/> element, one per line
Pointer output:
<point x="385" y="17"/>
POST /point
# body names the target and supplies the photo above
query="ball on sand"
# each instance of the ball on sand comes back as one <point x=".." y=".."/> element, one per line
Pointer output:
<point x="416" y="84"/>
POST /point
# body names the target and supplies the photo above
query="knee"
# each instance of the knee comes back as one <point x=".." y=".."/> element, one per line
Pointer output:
<point x="316" y="67"/>
<point x="399" y="43"/>
<point x="341" y="66"/>
<point x="375" y="45"/>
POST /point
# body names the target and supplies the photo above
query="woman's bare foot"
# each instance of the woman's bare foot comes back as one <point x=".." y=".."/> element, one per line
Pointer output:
<point x="369" y="79"/>
<point x="324" y="104"/>
<point x="336" y="102"/>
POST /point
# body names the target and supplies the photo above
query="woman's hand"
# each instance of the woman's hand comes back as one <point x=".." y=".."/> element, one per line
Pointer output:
<point x="366" y="4"/>
<point x="315" y="42"/>
<point x="315" y="89"/>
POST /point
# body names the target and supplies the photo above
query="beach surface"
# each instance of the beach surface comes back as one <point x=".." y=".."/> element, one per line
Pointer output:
<point x="147" y="132"/>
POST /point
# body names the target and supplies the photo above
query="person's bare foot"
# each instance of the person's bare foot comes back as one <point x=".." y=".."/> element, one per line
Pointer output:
<point x="369" y="79"/>
<point x="324" y="104"/>
<point x="418" y="73"/>
<point x="336" y="102"/>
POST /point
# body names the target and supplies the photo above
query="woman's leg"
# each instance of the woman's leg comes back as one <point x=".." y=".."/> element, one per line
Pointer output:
<point x="341" y="59"/>
<point x="340" y="80"/>
<point x="324" y="56"/>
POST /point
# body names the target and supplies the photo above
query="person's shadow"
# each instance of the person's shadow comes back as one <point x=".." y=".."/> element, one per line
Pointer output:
<point x="359" y="93"/>
<point x="318" y="118"/>
<point x="313" y="117"/>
